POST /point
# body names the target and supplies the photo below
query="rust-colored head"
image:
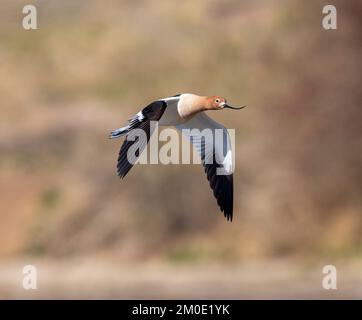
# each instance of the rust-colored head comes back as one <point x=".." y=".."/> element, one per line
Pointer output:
<point x="218" y="103"/>
<point x="215" y="103"/>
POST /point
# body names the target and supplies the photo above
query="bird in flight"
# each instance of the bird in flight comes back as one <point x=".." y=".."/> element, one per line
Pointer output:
<point x="186" y="113"/>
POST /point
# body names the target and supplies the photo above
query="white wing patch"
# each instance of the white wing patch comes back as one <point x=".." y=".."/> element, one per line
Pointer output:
<point x="211" y="140"/>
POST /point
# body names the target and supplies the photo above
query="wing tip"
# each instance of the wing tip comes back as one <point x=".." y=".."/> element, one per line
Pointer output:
<point x="122" y="173"/>
<point x="228" y="215"/>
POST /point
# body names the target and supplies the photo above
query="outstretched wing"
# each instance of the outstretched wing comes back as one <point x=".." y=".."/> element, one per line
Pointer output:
<point x="152" y="112"/>
<point x="214" y="147"/>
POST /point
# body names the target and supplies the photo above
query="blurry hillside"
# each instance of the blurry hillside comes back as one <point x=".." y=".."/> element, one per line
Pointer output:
<point x="92" y="64"/>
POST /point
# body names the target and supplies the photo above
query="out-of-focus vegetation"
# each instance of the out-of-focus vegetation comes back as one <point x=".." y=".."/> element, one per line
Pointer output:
<point x="92" y="64"/>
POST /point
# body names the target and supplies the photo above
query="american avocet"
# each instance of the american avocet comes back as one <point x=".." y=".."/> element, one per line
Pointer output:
<point x="185" y="111"/>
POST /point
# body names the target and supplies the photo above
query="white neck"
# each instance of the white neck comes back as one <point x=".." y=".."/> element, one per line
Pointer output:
<point x="189" y="105"/>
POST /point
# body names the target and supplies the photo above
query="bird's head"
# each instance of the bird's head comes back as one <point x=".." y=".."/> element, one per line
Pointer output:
<point x="218" y="103"/>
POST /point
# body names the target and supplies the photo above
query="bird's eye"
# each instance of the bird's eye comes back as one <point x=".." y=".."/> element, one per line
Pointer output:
<point x="217" y="100"/>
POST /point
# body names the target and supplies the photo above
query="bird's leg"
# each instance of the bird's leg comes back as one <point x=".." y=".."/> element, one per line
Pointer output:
<point x="119" y="132"/>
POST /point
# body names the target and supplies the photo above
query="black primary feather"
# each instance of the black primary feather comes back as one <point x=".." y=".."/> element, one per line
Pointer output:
<point x="223" y="188"/>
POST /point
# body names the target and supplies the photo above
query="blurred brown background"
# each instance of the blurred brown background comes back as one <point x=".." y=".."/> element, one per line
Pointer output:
<point x="159" y="233"/>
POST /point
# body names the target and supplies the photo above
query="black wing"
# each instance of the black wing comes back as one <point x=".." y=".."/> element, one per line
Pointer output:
<point x="152" y="112"/>
<point x="223" y="189"/>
